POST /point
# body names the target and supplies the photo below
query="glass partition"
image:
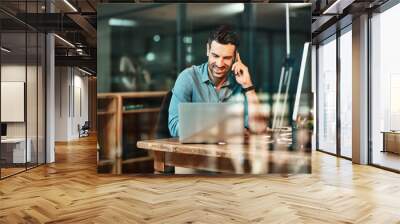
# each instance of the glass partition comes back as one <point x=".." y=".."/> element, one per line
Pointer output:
<point x="41" y="91"/>
<point x="385" y="89"/>
<point x="31" y="97"/>
<point x="327" y="95"/>
<point x="22" y="89"/>
<point x="346" y="92"/>
<point x="13" y="108"/>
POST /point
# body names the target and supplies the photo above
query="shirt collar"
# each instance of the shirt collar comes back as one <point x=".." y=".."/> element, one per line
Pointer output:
<point x="204" y="76"/>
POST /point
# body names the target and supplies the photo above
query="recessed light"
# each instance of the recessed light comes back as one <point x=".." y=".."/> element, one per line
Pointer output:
<point x="5" y="50"/>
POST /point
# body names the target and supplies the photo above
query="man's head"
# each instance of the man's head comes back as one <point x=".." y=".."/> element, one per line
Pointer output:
<point x="221" y="51"/>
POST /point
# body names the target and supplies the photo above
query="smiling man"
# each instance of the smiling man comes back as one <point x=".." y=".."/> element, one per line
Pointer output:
<point x="224" y="78"/>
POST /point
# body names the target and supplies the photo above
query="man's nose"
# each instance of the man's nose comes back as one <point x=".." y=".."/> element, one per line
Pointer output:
<point x="220" y="62"/>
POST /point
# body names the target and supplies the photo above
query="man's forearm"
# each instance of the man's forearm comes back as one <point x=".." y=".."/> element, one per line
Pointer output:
<point x="257" y="122"/>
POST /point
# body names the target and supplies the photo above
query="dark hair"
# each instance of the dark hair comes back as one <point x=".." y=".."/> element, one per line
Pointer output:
<point x="224" y="35"/>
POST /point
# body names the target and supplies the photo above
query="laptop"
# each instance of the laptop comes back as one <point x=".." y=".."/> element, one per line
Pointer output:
<point x="211" y="123"/>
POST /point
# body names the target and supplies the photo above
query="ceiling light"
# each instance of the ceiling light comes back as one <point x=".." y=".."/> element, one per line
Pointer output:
<point x="121" y="22"/>
<point x="5" y="50"/>
<point x="187" y="39"/>
<point x="229" y="9"/>
<point x="150" y="56"/>
<point x="337" y="7"/>
<point x="70" y="5"/>
<point x="65" y="41"/>
<point x="156" y="38"/>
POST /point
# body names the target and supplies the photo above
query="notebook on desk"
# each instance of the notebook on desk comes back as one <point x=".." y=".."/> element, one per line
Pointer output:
<point x="211" y="122"/>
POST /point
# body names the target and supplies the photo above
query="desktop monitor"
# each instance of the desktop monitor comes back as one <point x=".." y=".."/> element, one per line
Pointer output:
<point x="300" y="81"/>
<point x="3" y="129"/>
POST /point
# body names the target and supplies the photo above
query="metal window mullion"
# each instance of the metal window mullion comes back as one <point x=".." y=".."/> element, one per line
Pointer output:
<point x="369" y="78"/>
<point x="338" y="94"/>
<point x="37" y="91"/>
<point x="26" y="86"/>
<point x="317" y="97"/>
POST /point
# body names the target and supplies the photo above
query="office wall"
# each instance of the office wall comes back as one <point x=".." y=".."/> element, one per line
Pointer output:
<point x="71" y="102"/>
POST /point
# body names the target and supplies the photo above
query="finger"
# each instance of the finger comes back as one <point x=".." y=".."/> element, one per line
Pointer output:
<point x="238" y="57"/>
<point x="237" y="71"/>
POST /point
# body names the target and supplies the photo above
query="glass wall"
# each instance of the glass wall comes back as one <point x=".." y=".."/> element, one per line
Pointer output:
<point x="385" y="89"/>
<point x="327" y="95"/>
<point x="22" y="90"/>
<point x="345" y="92"/>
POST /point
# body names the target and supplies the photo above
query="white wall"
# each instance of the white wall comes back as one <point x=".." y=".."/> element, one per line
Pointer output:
<point x="61" y="103"/>
<point x="71" y="87"/>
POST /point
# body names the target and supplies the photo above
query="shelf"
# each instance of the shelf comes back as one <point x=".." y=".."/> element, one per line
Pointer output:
<point x="139" y="159"/>
<point x="112" y="115"/>
<point x="146" y="110"/>
<point x="105" y="113"/>
<point x="144" y="94"/>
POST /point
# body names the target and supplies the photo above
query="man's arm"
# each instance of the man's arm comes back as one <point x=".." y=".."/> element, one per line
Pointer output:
<point x="256" y="121"/>
<point x="182" y="92"/>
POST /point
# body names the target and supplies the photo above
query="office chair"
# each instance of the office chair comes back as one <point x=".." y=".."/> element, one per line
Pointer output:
<point x="84" y="130"/>
<point x="162" y="130"/>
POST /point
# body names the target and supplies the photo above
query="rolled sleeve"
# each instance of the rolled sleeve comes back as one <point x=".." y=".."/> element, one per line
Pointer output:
<point x="182" y="92"/>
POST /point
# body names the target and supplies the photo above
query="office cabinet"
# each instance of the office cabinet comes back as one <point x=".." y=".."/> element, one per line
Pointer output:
<point x="123" y="119"/>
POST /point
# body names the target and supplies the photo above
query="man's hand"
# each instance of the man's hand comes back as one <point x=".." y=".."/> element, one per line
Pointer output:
<point x="241" y="72"/>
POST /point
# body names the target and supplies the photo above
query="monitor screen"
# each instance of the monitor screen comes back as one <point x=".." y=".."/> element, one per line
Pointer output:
<point x="300" y="81"/>
<point x="3" y="129"/>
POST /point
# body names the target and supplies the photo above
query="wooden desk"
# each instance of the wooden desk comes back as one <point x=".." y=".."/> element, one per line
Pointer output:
<point x="391" y="141"/>
<point x="13" y="150"/>
<point x="259" y="156"/>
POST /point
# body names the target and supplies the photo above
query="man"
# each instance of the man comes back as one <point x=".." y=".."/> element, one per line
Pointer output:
<point x="213" y="81"/>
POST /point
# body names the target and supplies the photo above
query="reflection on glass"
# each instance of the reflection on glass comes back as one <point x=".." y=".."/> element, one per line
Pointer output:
<point x="327" y="96"/>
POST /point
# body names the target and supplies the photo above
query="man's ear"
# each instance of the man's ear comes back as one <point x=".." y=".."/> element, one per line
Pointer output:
<point x="208" y="49"/>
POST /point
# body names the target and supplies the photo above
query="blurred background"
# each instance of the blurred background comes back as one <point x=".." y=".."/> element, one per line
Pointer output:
<point x="143" y="48"/>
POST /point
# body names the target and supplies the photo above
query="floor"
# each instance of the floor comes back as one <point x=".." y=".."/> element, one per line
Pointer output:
<point x="71" y="191"/>
<point x="10" y="171"/>
<point x="387" y="159"/>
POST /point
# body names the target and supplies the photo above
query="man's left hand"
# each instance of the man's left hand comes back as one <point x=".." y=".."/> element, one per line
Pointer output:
<point x="241" y="73"/>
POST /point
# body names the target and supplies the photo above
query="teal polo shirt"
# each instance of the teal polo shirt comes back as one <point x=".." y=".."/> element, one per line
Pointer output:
<point x="194" y="85"/>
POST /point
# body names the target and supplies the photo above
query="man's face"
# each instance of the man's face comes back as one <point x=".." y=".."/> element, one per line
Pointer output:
<point x="220" y="58"/>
